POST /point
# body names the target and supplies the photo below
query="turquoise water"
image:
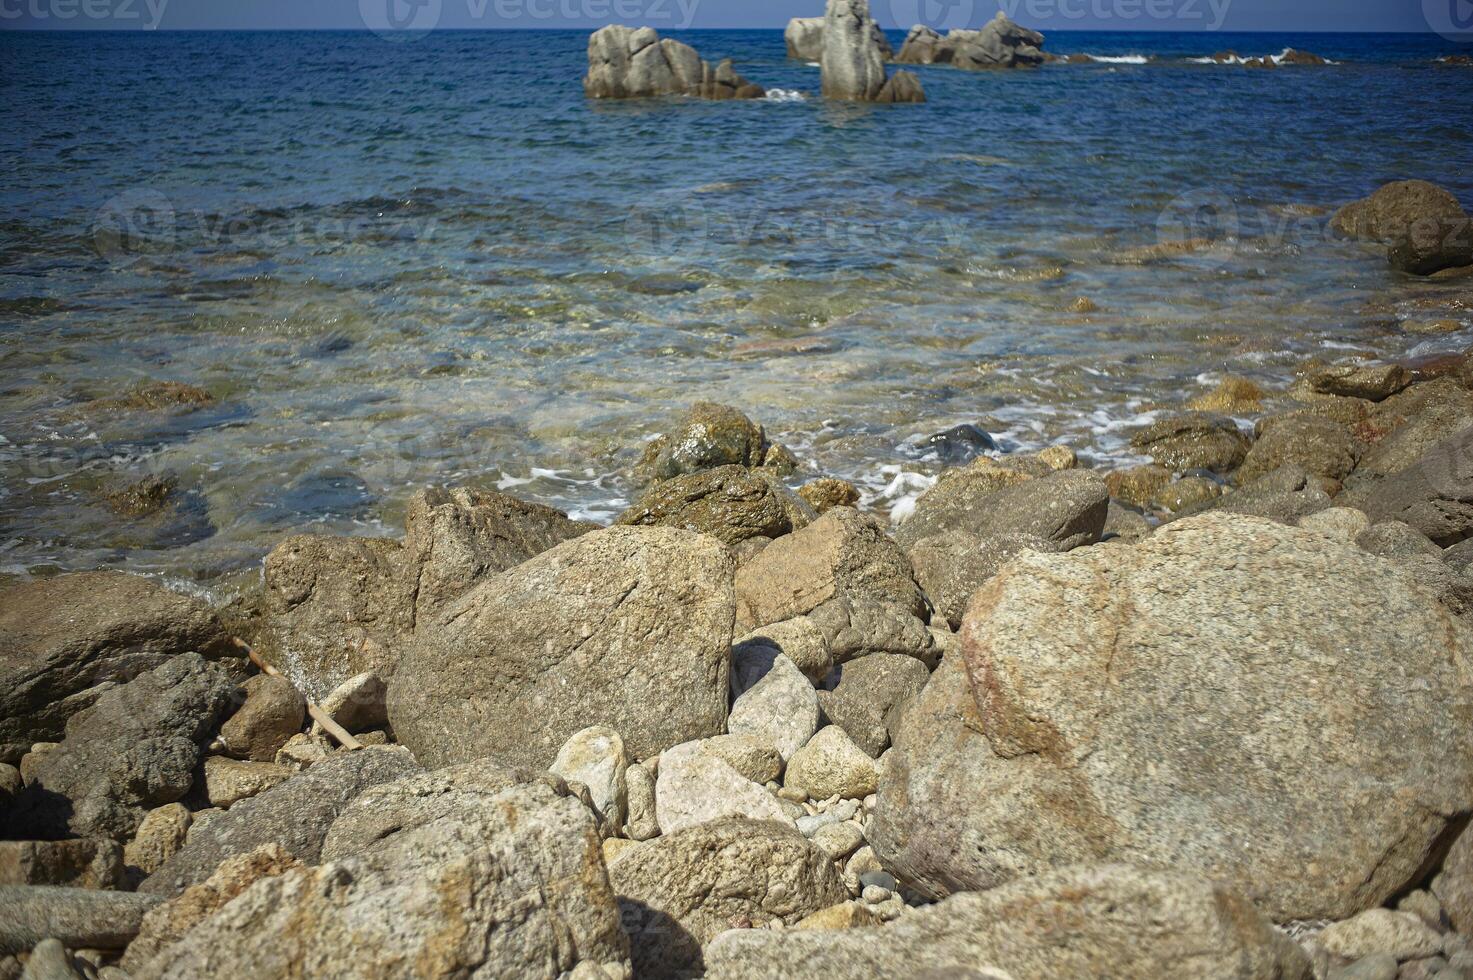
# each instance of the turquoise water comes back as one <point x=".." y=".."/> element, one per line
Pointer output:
<point x="402" y="264"/>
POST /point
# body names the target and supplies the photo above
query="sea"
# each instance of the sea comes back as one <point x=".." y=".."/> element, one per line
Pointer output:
<point x="395" y="265"/>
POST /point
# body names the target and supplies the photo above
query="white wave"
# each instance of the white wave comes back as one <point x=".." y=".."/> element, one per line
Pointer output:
<point x="1118" y="59"/>
<point x="785" y="95"/>
<point x="1238" y="59"/>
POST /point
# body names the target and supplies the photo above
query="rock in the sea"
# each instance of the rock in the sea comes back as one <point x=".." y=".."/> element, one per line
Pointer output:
<point x="1431" y="246"/>
<point x="597" y="631"/>
<point x="1434" y="496"/>
<point x="136" y="748"/>
<point x="273" y="712"/>
<point x="295" y="814"/>
<point x="679" y="891"/>
<point x="708" y="436"/>
<point x="951" y="566"/>
<point x="1079" y="722"/>
<point x="804" y="39"/>
<point x="595" y="757"/>
<point x="66" y="640"/>
<point x="868" y="695"/>
<point x="832" y="765"/>
<point x="1000" y="43"/>
<point x="843" y="555"/>
<point x="1321" y="446"/>
<point x="1197" y="440"/>
<point x="1138" y="485"/>
<point x="960" y="443"/>
<point x="1096" y="921"/>
<point x="507" y="884"/>
<point x="1394" y="209"/>
<point x="730" y="503"/>
<point x="1067" y="507"/>
<point x="852" y="61"/>
<point x="629" y="63"/>
<point x="772" y="699"/>
<point x="84" y="863"/>
<point x="82" y="918"/>
<point x="695" y="786"/>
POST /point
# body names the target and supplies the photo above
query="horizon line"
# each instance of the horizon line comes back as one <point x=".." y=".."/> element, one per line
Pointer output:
<point x="47" y="29"/>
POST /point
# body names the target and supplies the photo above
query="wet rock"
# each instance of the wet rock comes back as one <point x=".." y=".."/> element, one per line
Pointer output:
<point x="695" y="786"/>
<point x="136" y="748"/>
<point x="1375" y="383"/>
<point x="591" y="632"/>
<point x="167" y="923"/>
<point x="1322" y="447"/>
<point x="1434" y="497"/>
<point x="295" y="814"/>
<point x="1101" y="921"/>
<point x="1138" y="485"/>
<point x="81" y="918"/>
<point x="159" y="838"/>
<point x="679" y="891"/>
<point x="843" y="555"/>
<point x="1186" y="495"/>
<point x="272" y="713"/>
<point x="832" y="765"/>
<point x="357" y="704"/>
<point x="1409" y="424"/>
<point x="1198" y="440"/>
<point x="853" y="62"/>
<point x="826" y="493"/>
<point x="710" y="435"/>
<point x="1066" y="507"/>
<point x="1056" y="772"/>
<point x="869" y="694"/>
<point x="1394" y="209"/>
<point x="141" y="498"/>
<point x="1231" y="396"/>
<point x="228" y="781"/>
<point x="1432" y="245"/>
<point x="960" y="443"/>
<point x="772" y="700"/>
<point x="595" y="757"/>
<point x="730" y="503"/>
<point x="508" y="885"/>
<point x="625" y="63"/>
<point x="87" y="863"/>
<point x="66" y="640"/>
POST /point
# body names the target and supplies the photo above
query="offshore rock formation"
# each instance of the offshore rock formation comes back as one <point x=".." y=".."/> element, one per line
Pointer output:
<point x="998" y="44"/>
<point x="804" y="37"/>
<point x="625" y="63"/>
<point x="853" y="63"/>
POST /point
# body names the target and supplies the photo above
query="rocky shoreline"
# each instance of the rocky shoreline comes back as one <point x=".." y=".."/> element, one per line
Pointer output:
<point x="1207" y="716"/>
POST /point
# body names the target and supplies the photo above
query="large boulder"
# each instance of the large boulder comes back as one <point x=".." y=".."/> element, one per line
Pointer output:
<point x="507" y="883"/>
<point x="1394" y="209"/>
<point x="730" y="503"/>
<point x="852" y="61"/>
<point x="1000" y="43"/>
<point x="1101" y="921"/>
<point x="629" y="63"/>
<point x="804" y="38"/>
<point x="66" y="640"/>
<point x="1407" y="425"/>
<point x="336" y="607"/>
<point x="82" y="918"/>
<point x="272" y="713"/>
<point x="296" y="814"/>
<point x="843" y="555"/>
<point x="135" y="749"/>
<point x="951" y="566"/>
<point x="594" y="632"/>
<point x="1081" y="722"/>
<point x="678" y="891"/>
<point x="1435" y="496"/>
<point x="1067" y="508"/>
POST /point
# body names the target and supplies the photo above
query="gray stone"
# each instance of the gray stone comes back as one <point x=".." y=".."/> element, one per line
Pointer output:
<point x="708" y="436"/>
<point x="592" y="632"/>
<point x="509" y="883"/>
<point x="953" y="565"/>
<point x="643" y="823"/>
<point x="85" y="863"/>
<point x="751" y="755"/>
<point x="1079" y="724"/>
<point x="772" y="700"/>
<point x="295" y="814"/>
<point x="50" y="961"/>
<point x="1396" y="539"/>
<point x="1285" y="495"/>
<point x="1432" y="245"/>
<point x="679" y="891"/>
<point x="624" y="63"/>
<point x="273" y="712"/>
<point x="1375" y="383"/>
<point x="696" y="787"/>
<point x="1067" y="508"/>
<point x="1196" y="440"/>
<point x="838" y="840"/>
<point x="1097" y="921"/>
<point x="136" y="748"/>
<point x="1377" y="966"/>
<point x="1394" y="209"/>
<point x="852" y="61"/>
<point x="66" y="640"/>
<point x="1453" y="886"/>
<point x="1401" y="934"/>
<point x="82" y="918"/>
<point x="868" y="695"/>
<point x="832" y="765"/>
<point x="998" y="44"/>
<point x="804" y="38"/>
<point x="595" y="757"/>
<point x="1435" y="496"/>
<point x="358" y="703"/>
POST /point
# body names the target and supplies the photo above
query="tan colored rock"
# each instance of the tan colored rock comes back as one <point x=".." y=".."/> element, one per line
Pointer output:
<point x="86" y="863"/>
<point x="696" y="787"/>
<point x="1231" y="396"/>
<point x="229" y="781"/>
<point x="357" y="704"/>
<point x="1138" y="485"/>
<point x="595" y="757"/>
<point x="845" y="915"/>
<point x="272" y="713"/>
<point x="159" y="836"/>
<point x="730" y="503"/>
<point x="301" y="751"/>
<point x="1401" y="934"/>
<point x="826" y="493"/>
<point x="832" y="765"/>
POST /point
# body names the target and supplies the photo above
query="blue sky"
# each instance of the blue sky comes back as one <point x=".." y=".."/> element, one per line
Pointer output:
<point x="1189" y="15"/>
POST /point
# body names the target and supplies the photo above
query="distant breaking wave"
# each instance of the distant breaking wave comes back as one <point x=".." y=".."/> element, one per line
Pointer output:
<point x="785" y="95"/>
<point x="1119" y="59"/>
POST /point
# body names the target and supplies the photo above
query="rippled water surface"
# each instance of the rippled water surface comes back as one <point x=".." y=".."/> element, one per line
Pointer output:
<point x="434" y="262"/>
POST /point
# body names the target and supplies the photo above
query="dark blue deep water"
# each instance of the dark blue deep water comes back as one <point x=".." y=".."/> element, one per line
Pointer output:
<point x="401" y="263"/>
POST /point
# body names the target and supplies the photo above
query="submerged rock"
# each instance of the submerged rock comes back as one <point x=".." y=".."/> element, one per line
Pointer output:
<point x="629" y="63"/>
<point x="1079" y="722"/>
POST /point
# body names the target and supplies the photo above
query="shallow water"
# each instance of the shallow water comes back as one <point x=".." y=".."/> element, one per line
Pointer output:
<point x="435" y="262"/>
